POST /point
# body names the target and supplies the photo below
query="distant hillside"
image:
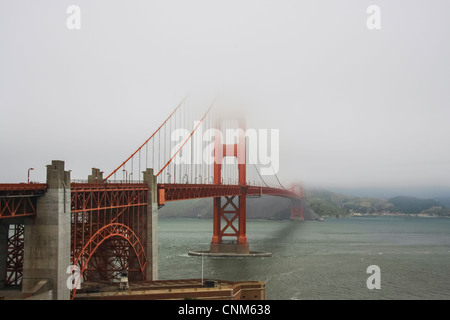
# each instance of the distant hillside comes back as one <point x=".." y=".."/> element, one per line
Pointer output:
<point x="326" y="203"/>
<point x="444" y="200"/>
<point x="411" y="204"/>
<point x="330" y="203"/>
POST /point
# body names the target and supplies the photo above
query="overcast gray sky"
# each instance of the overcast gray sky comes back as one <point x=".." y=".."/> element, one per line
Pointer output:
<point x="355" y="107"/>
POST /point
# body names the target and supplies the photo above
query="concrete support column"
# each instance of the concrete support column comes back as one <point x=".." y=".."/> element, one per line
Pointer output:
<point x="96" y="176"/>
<point x="47" y="241"/>
<point x="4" y="230"/>
<point x="152" y="225"/>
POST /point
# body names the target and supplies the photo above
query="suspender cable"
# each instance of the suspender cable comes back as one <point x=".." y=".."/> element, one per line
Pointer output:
<point x="179" y="105"/>
<point x="278" y="179"/>
<point x="193" y="131"/>
<point x="260" y="176"/>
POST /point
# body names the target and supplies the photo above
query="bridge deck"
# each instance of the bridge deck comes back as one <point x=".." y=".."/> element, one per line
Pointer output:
<point x="23" y="187"/>
<point x="177" y="191"/>
<point x="19" y="199"/>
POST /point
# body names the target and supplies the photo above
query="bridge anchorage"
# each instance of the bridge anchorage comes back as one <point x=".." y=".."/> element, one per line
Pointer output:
<point x="54" y="236"/>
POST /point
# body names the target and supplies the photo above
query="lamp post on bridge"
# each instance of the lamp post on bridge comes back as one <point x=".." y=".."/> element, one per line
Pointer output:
<point x="28" y="181"/>
<point x="125" y="175"/>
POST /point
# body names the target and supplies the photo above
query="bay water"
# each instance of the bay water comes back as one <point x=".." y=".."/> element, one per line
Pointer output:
<point x="321" y="260"/>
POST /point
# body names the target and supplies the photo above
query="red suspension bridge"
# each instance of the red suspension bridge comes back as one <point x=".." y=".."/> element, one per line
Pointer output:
<point x="109" y="222"/>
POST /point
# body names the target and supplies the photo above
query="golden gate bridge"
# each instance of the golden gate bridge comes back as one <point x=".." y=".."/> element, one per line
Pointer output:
<point x="108" y="222"/>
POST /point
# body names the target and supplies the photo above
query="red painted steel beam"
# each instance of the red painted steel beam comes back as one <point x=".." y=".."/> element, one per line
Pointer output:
<point x="23" y="186"/>
<point x="99" y="211"/>
<point x="19" y="199"/>
<point x="108" y="186"/>
<point x="106" y="232"/>
<point x="14" y="258"/>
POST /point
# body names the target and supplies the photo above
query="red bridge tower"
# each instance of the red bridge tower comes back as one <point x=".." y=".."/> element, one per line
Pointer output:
<point x="235" y="206"/>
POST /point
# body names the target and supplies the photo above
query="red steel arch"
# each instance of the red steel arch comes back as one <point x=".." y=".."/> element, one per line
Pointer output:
<point x="109" y="229"/>
<point x="104" y="233"/>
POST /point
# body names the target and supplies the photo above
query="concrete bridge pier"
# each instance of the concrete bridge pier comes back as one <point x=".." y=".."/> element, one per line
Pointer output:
<point x="152" y="225"/>
<point x="47" y="240"/>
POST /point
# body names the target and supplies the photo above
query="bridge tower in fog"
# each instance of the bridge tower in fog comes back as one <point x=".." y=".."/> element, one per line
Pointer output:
<point x="234" y="207"/>
<point x="298" y="205"/>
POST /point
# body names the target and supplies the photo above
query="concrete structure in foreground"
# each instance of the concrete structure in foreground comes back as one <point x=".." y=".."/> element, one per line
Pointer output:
<point x="47" y="240"/>
<point x="176" y="290"/>
<point x="47" y="236"/>
<point x="152" y="224"/>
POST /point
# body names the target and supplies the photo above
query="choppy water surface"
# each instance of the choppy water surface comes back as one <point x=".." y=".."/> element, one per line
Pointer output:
<point x="321" y="260"/>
